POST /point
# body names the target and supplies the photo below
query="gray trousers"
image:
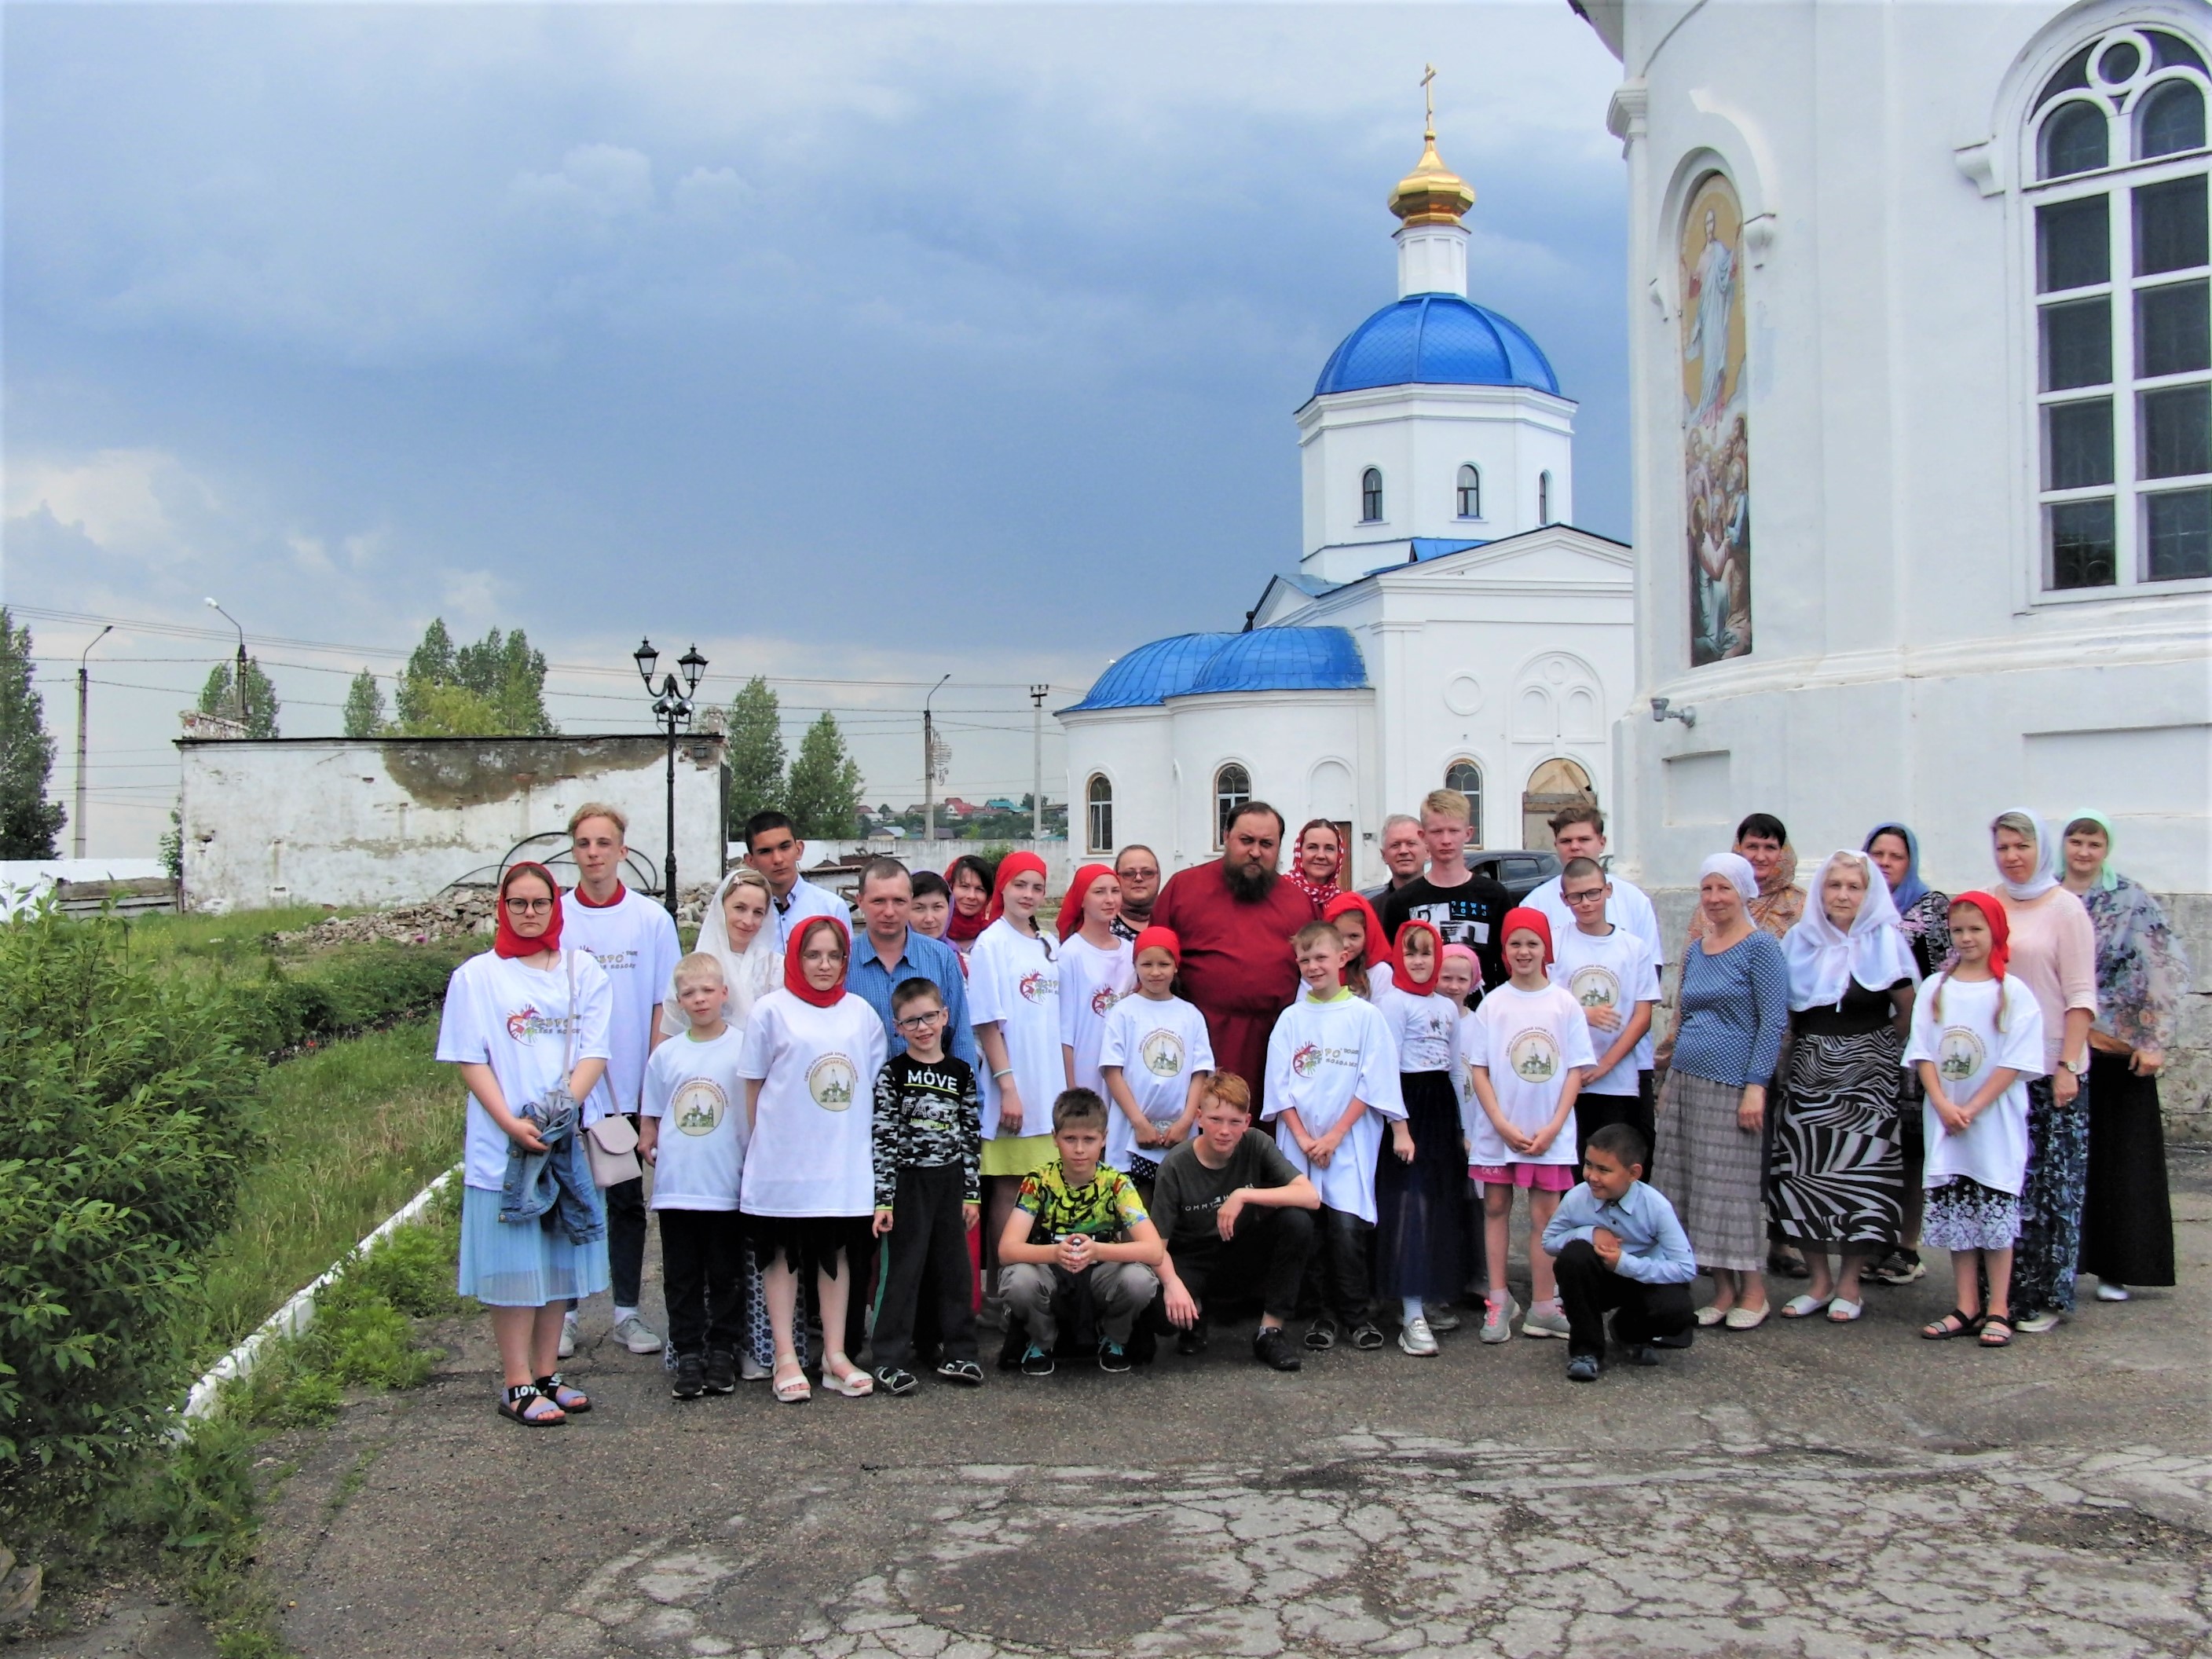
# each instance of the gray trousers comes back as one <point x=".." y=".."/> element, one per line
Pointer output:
<point x="1119" y="1290"/>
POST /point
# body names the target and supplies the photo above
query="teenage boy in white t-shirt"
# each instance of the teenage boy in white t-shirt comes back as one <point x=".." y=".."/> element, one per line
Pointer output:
<point x="1611" y="971"/>
<point x="633" y="939"/>
<point x="1155" y="1058"/>
<point x="692" y="1129"/>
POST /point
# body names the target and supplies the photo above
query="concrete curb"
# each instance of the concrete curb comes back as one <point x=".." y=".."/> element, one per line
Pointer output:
<point x="299" y="1312"/>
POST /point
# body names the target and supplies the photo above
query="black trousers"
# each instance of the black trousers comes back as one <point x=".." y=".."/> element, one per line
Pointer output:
<point x="625" y="1237"/>
<point x="1588" y="1289"/>
<point x="1593" y="1112"/>
<point x="928" y="1240"/>
<point x="1265" y="1262"/>
<point x="702" y="1259"/>
<point x="1345" y="1241"/>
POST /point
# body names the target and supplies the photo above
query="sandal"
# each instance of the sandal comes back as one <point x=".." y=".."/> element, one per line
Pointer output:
<point x="791" y="1388"/>
<point x="525" y="1405"/>
<point x="1957" y="1323"/>
<point x="1997" y="1331"/>
<point x="1802" y="1307"/>
<point x="1841" y="1312"/>
<point x="852" y="1382"/>
<point x="574" y="1401"/>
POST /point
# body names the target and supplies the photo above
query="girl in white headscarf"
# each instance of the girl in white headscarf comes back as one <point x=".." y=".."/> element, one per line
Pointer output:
<point x="1836" y="1179"/>
<point x="734" y="932"/>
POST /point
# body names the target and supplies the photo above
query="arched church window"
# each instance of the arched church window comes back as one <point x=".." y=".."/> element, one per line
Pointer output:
<point x="1470" y="492"/>
<point x="1371" y="497"/>
<point x="2123" y="267"/>
<point x="1098" y="814"/>
<point x="1466" y="776"/>
<point x="1543" y="498"/>
<point x="1232" y="787"/>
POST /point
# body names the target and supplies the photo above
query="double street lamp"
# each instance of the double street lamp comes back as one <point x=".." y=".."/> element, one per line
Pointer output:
<point x="671" y="706"/>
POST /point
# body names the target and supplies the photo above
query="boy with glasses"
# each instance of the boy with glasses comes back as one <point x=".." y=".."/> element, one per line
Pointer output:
<point x="1613" y="973"/>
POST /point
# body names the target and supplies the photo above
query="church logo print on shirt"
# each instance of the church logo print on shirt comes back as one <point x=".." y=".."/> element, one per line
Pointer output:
<point x="699" y="1106"/>
<point x="831" y="1080"/>
<point x="1535" y="1056"/>
<point x="1104" y="999"/>
<point x="1035" y="987"/>
<point x="1595" y="986"/>
<point x="1958" y="1053"/>
<point x="526" y="1024"/>
<point x="1162" y="1052"/>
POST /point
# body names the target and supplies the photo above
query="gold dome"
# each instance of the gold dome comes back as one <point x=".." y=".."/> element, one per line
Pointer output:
<point x="1432" y="194"/>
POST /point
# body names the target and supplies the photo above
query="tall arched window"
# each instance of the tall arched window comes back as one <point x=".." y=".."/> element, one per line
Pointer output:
<point x="1098" y="814"/>
<point x="1466" y="776"/>
<point x="1470" y="492"/>
<point x="2122" y="269"/>
<point x="1232" y="787"/>
<point x="1543" y="498"/>
<point x="1371" y="497"/>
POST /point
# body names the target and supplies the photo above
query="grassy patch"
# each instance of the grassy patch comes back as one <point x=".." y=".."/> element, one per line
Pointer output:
<point x="195" y="941"/>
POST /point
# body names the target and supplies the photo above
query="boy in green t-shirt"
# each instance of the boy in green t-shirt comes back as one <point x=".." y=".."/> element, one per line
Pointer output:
<point x="1078" y="1229"/>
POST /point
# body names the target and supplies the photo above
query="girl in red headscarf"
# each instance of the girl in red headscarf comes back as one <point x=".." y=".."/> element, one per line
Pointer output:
<point x="1977" y="1040"/>
<point x="1420" y="1233"/>
<point x="1013" y="998"/>
<point x="809" y="1060"/>
<point x="1096" y="970"/>
<point x="1317" y="863"/>
<point x="1366" y="947"/>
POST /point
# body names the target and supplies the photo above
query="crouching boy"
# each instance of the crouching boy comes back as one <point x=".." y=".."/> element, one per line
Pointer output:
<point x="1619" y="1248"/>
<point x="1078" y="1241"/>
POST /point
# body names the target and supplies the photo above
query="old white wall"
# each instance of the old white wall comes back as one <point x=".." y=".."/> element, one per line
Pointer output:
<point x="376" y="822"/>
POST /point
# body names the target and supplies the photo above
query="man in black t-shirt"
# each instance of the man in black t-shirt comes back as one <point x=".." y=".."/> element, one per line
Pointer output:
<point x="1236" y="1217"/>
<point x="1466" y="908"/>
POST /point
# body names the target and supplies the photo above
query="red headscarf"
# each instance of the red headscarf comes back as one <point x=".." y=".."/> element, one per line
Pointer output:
<point x="505" y="941"/>
<point x="1377" y="945"/>
<point x="1318" y="893"/>
<point x="1402" y="975"/>
<point x="2000" y="927"/>
<point x="1071" y="908"/>
<point x="1156" y="938"/>
<point x="959" y="929"/>
<point x="1534" y="920"/>
<point x="1012" y="865"/>
<point x="794" y="976"/>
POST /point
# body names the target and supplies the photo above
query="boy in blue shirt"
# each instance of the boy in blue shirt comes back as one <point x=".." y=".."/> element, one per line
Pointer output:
<point x="1619" y="1247"/>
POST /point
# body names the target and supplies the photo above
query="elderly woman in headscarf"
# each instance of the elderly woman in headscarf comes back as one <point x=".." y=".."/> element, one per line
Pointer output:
<point x="1712" y="1112"/>
<point x="1923" y="915"/>
<point x="2054" y="954"/>
<point x="1837" y="1177"/>
<point x="2127" y="1218"/>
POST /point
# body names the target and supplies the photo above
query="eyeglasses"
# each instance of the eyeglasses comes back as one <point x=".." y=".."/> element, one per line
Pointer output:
<point x="528" y="907"/>
<point x="1589" y="896"/>
<point x="1140" y="872"/>
<point x="920" y="1021"/>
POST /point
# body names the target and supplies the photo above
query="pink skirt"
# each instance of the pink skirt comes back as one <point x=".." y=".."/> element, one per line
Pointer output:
<point x="1542" y="1177"/>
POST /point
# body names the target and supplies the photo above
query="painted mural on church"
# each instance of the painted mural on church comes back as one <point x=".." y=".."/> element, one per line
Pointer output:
<point x="1715" y="436"/>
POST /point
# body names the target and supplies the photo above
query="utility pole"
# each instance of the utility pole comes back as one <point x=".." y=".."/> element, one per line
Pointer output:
<point x="238" y="683"/>
<point x="1037" y="695"/>
<point x="929" y="766"/>
<point x="83" y="701"/>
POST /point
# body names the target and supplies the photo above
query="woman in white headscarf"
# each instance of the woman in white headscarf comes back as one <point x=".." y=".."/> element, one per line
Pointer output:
<point x="1836" y="1179"/>
<point x="2054" y="953"/>
<point x="734" y="931"/>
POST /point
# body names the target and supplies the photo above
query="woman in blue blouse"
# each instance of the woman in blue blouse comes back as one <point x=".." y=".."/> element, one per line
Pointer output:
<point x="1711" y="1157"/>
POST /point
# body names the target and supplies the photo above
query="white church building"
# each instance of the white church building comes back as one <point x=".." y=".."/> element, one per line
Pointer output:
<point x="1446" y="625"/>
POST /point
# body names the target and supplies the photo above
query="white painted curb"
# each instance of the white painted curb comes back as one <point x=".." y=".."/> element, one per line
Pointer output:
<point x="299" y="1312"/>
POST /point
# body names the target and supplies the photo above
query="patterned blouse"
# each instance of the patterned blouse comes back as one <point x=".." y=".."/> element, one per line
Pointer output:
<point x="1927" y="928"/>
<point x="2142" y="968"/>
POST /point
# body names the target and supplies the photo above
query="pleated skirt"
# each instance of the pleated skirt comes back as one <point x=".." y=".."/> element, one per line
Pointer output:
<point x="522" y="1265"/>
<point x="1711" y="1171"/>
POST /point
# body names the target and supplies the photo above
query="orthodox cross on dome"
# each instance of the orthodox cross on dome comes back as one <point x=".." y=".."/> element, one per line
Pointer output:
<point x="1428" y="102"/>
<point x="1432" y="194"/>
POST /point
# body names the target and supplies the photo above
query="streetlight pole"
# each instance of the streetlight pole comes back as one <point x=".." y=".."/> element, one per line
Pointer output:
<point x="83" y="701"/>
<point x="1037" y="695"/>
<point x="671" y="707"/>
<point x="238" y="683"/>
<point x="929" y="766"/>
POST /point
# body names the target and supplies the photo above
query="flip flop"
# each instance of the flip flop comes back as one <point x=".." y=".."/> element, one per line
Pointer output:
<point x="1841" y="1312"/>
<point x="1802" y="1307"/>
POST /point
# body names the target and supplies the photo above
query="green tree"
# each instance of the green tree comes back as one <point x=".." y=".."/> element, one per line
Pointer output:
<point x="825" y="795"/>
<point x="28" y="821"/>
<point x="364" y="706"/>
<point x="503" y="678"/>
<point x="454" y="711"/>
<point x="220" y="696"/>
<point x="755" y="739"/>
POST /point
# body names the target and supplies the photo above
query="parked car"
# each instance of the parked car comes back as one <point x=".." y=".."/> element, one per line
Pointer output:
<point x="1519" y="870"/>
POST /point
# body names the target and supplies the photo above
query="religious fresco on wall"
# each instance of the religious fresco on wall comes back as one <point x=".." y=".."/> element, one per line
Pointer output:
<point x="1716" y="440"/>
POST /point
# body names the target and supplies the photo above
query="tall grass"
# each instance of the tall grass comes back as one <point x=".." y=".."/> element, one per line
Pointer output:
<point x="242" y="936"/>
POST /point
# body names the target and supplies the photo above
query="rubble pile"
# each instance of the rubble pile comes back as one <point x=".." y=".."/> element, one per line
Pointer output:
<point x="450" y="915"/>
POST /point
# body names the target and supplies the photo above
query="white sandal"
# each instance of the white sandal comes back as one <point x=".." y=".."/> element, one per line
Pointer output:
<point x="1803" y="1307"/>
<point x="854" y="1383"/>
<point x="1841" y="1312"/>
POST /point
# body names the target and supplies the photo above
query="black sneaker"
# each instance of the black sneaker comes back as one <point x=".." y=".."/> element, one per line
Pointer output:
<point x="1113" y="1358"/>
<point x="1582" y="1368"/>
<point x="1320" y="1335"/>
<point x="1640" y="1353"/>
<point x="1272" y="1348"/>
<point x="721" y="1372"/>
<point x="690" y="1379"/>
<point x="898" y="1380"/>
<point x="966" y="1372"/>
<point x="1192" y="1341"/>
<point x="1036" y="1362"/>
<point x="1366" y="1336"/>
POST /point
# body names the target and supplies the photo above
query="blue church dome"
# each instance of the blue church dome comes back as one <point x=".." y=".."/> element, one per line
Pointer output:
<point x="1151" y="674"/>
<point x="1437" y="339"/>
<point x="1284" y="659"/>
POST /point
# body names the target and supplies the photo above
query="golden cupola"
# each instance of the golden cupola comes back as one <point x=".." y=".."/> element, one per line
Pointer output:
<point x="1432" y="194"/>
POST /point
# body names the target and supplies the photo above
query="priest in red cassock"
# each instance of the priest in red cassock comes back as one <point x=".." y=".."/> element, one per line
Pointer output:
<point x="1236" y="919"/>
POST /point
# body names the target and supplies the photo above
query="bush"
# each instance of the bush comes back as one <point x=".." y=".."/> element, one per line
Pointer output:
<point x="285" y="1008"/>
<point x="125" y="1097"/>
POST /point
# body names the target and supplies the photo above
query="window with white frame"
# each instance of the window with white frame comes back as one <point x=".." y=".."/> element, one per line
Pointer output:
<point x="1543" y="498"/>
<point x="1232" y="787"/>
<point x="1371" y="497"/>
<point x="1466" y="776"/>
<point x="1098" y="814"/>
<point x="1470" y="492"/>
<point x="2123" y="315"/>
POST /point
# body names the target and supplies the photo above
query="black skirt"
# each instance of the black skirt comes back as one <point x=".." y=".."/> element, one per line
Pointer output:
<point x="2127" y="1219"/>
<point x="1420" y="1233"/>
<point x="804" y="1242"/>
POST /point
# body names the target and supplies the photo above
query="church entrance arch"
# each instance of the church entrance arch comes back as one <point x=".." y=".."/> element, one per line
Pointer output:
<point x="1558" y="782"/>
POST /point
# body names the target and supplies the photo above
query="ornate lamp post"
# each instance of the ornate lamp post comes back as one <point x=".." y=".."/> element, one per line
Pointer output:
<point x="671" y="707"/>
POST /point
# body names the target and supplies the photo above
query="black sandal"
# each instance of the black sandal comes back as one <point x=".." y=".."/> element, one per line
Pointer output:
<point x="1957" y="1323"/>
<point x="574" y="1401"/>
<point x="520" y="1407"/>
<point x="1997" y="1331"/>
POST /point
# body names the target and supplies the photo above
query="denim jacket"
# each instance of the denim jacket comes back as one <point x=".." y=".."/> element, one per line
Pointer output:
<point x="555" y="1184"/>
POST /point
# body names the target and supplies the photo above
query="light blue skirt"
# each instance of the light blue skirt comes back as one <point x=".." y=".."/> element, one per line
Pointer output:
<point x="509" y="1266"/>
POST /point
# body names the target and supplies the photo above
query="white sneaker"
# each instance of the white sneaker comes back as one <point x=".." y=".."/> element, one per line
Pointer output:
<point x="567" y="1348"/>
<point x="2108" y="1292"/>
<point x="634" y="1334"/>
<point x="750" y="1370"/>
<point x="1417" y="1339"/>
<point x="1497" y="1320"/>
<point x="1551" y="1324"/>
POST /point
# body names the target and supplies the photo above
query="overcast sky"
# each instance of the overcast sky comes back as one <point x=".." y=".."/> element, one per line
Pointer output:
<point x="858" y="344"/>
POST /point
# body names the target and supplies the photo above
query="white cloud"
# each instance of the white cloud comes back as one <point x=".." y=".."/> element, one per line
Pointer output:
<point x="596" y="183"/>
<point x="121" y="499"/>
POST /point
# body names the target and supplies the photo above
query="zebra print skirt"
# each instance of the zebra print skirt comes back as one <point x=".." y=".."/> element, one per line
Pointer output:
<point x="1837" y="1172"/>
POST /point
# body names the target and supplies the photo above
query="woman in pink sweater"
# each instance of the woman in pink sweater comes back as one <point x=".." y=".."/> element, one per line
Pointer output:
<point x="2054" y="953"/>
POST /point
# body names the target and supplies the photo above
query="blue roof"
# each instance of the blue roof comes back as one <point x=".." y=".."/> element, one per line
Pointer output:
<point x="1437" y="339"/>
<point x="1265" y="660"/>
<point x="1166" y="668"/>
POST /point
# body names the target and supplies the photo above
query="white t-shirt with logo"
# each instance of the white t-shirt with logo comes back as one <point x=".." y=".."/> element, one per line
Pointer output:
<point x="1321" y="1057"/>
<point x="1421" y="1026"/>
<point x="1966" y="1045"/>
<point x="1529" y="1041"/>
<point x="517" y="1020"/>
<point x="633" y="939"/>
<point x="1615" y="970"/>
<point x="1014" y="978"/>
<point x="694" y="1089"/>
<point x="812" y="1151"/>
<point x="1160" y="1046"/>
<point x="1091" y="981"/>
<point x="1628" y="910"/>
